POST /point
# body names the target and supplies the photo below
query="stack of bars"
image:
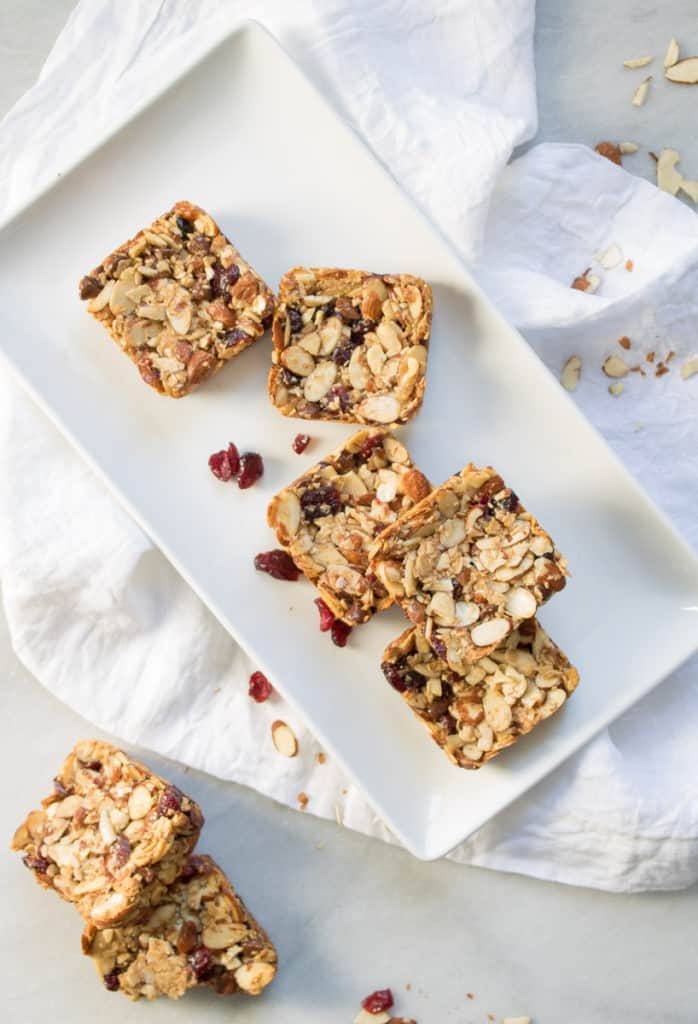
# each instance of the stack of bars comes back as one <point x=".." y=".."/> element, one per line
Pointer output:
<point x="468" y="565"/>
<point x="117" y="841"/>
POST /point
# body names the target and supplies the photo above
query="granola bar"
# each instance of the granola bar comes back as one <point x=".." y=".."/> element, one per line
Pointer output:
<point x="179" y="299"/>
<point x="328" y="518"/>
<point x="349" y="345"/>
<point x="475" y="715"/>
<point x="199" y="934"/>
<point x="468" y="565"/>
<point x="110" y="836"/>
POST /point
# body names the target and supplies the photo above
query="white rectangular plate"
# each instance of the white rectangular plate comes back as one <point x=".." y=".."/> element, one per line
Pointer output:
<point x="246" y="136"/>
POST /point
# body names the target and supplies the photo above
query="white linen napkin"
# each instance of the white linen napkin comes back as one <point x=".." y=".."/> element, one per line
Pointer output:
<point x="442" y="91"/>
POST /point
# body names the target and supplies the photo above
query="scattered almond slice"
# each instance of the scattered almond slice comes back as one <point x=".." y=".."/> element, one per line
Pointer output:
<point x="364" y="1017"/>
<point x="637" y="62"/>
<point x="571" y="372"/>
<point x="640" y="94"/>
<point x="672" y="54"/>
<point x="284" y="738"/>
<point x="617" y="388"/>
<point x="685" y="72"/>
<point x="628" y="147"/>
<point x="668" y="178"/>
<point x="610" y="257"/>
<point x="516" y="1020"/>
<point x="586" y="282"/>
<point x="689" y="188"/>
<point x="611" y="150"/>
<point x="689" y="368"/>
<point x="614" y="366"/>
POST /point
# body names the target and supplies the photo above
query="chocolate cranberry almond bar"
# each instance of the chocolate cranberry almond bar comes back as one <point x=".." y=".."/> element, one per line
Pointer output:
<point x="329" y="517"/>
<point x="349" y="345"/>
<point x="199" y="934"/>
<point x="179" y="299"/>
<point x="468" y="564"/>
<point x="110" y="836"/>
<point x="475" y="715"/>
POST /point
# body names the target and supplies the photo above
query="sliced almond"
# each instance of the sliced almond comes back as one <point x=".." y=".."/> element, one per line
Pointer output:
<point x="101" y="300"/>
<point x="395" y="451"/>
<point x="690" y="188"/>
<point x="610" y="257"/>
<point x="139" y="802"/>
<point x="310" y="343"/>
<point x="684" y="71"/>
<point x="571" y="372"/>
<point x="637" y="62"/>
<point x="364" y="1017"/>
<point x="287" y="514"/>
<point x="672" y="54"/>
<point x="490" y="632"/>
<point x="614" y="366"/>
<point x="668" y="178"/>
<point x="521" y="604"/>
<point x="628" y="147"/>
<point x="467" y="612"/>
<point x="330" y="333"/>
<point x="119" y="301"/>
<point x="497" y="711"/>
<point x="319" y="382"/>
<point x="640" y="94"/>
<point x="179" y="312"/>
<point x="298" y="361"/>
<point x="252" y="977"/>
<point x="284" y="738"/>
<point x="617" y="388"/>
<point x="689" y="368"/>
<point x="380" y="408"/>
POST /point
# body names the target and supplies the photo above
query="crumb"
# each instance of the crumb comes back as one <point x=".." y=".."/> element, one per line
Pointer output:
<point x="669" y="356"/>
<point x="638" y="369"/>
<point x="344" y="792"/>
<point x="625" y="342"/>
<point x="319" y="846"/>
<point x="661" y="370"/>
<point x="320" y="757"/>
<point x="303" y="799"/>
<point x="217" y="690"/>
<point x="408" y="986"/>
<point x="338" y="814"/>
<point x="650" y="357"/>
<point x="629" y="266"/>
<point x="491" y="1016"/>
<point x="611" y="150"/>
<point x="470" y="995"/>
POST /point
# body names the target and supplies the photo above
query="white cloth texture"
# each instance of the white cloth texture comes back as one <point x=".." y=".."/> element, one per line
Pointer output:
<point x="442" y="91"/>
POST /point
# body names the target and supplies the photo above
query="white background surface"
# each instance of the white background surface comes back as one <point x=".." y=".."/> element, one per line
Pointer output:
<point x="355" y="915"/>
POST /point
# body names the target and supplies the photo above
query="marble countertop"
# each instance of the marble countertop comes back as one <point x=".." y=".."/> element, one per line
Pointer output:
<point x="351" y="914"/>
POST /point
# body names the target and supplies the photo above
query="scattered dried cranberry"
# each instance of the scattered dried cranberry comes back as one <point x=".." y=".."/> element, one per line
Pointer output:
<point x="225" y="464"/>
<point x="260" y="687"/>
<point x="277" y="563"/>
<point x="111" y="980"/>
<point x="224" y="278"/>
<point x="201" y="962"/>
<point x="379" y="1001"/>
<point x="170" y="802"/>
<point x="185" y="226"/>
<point x="38" y="864"/>
<point x="326" y="615"/>
<point x="251" y="469"/>
<point x="370" y="445"/>
<point x="340" y="633"/>
<point x="300" y="443"/>
<point x="89" y="287"/>
<point x="320" y="501"/>
<point x="295" y="319"/>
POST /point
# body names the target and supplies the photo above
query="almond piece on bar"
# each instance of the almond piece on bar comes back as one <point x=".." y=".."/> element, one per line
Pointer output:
<point x="179" y="299"/>
<point x="350" y="345"/>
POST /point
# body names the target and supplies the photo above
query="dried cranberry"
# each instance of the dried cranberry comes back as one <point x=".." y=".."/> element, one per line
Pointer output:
<point x="260" y="688"/>
<point x="185" y="226"/>
<point x="38" y="864"/>
<point x="295" y="318"/>
<point x="340" y="633"/>
<point x="120" y="852"/>
<point x="457" y="589"/>
<point x="236" y="337"/>
<point x="510" y="502"/>
<point x="89" y="287"/>
<point x="339" y="394"/>
<point x="439" y="647"/>
<point x="321" y="501"/>
<point x="224" y="278"/>
<point x="194" y="866"/>
<point x="291" y="380"/>
<point x="326" y="615"/>
<point x="393" y="673"/>
<point x="370" y="445"/>
<point x="328" y="308"/>
<point x="251" y="469"/>
<point x="342" y="353"/>
<point x="170" y="802"/>
<point x="300" y="443"/>
<point x="225" y="464"/>
<point x="379" y="1001"/>
<point x="277" y="563"/>
<point x="93" y="766"/>
<point x="201" y="962"/>
<point x="111" y="980"/>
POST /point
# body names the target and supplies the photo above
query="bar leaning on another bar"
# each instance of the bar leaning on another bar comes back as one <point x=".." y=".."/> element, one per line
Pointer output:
<point x="350" y="345"/>
<point x="502" y="696"/>
<point x="199" y="934"/>
<point x="179" y="300"/>
<point x="328" y="518"/>
<point x="110" y="836"/>
<point x="468" y="564"/>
